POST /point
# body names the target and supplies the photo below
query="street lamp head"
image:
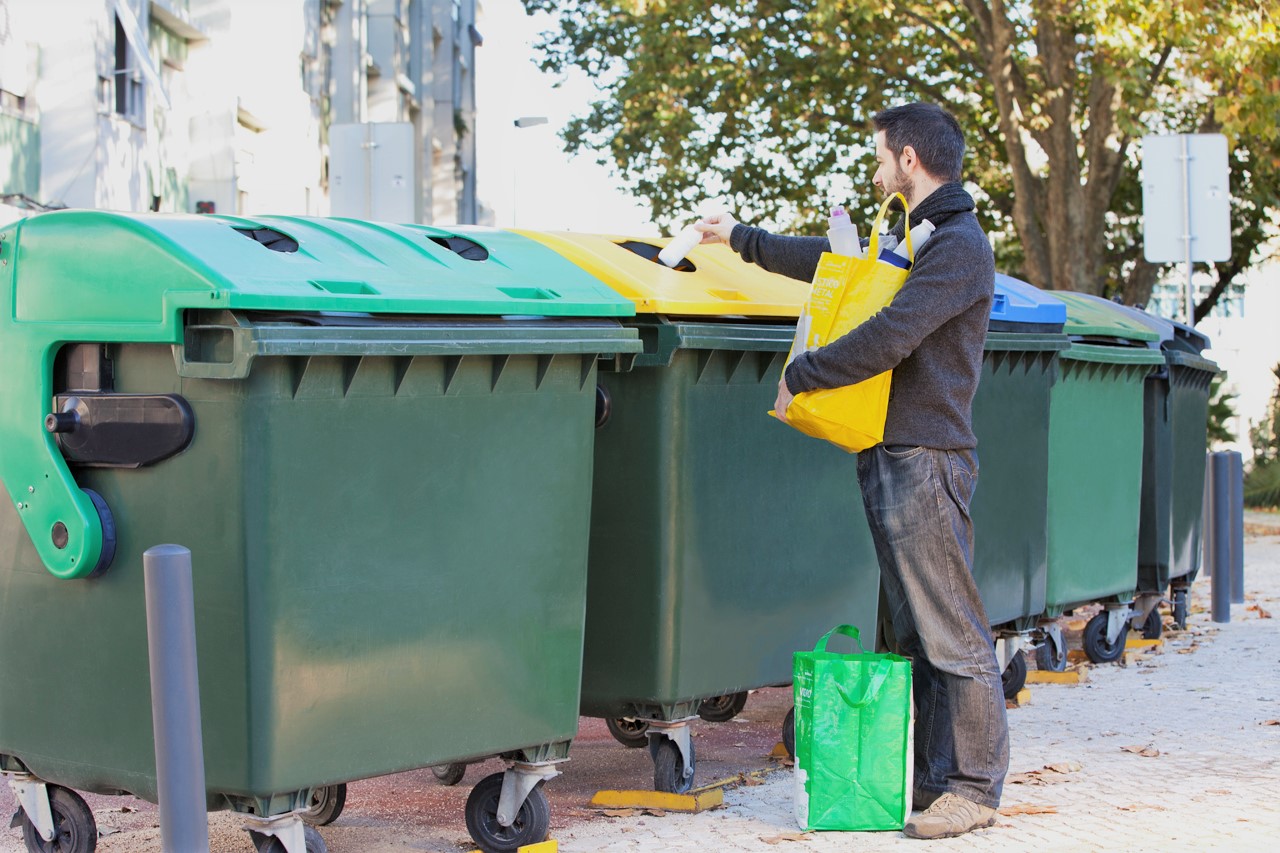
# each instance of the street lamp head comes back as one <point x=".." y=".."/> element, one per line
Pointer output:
<point x="530" y="121"/>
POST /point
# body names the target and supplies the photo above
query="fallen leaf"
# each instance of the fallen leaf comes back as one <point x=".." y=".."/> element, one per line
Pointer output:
<point x="786" y="836"/>
<point x="1145" y="751"/>
<point x="1262" y="614"/>
<point x="620" y="812"/>
<point x="1269" y="723"/>
<point x="751" y="781"/>
<point x="656" y="812"/>
<point x="1141" y="806"/>
<point x="1065" y="767"/>
<point x="1032" y="778"/>
<point x="1223" y="791"/>
<point x="1009" y="811"/>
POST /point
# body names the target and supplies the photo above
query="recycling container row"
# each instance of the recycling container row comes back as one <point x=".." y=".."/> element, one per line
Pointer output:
<point x="720" y="538"/>
<point x="384" y="477"/>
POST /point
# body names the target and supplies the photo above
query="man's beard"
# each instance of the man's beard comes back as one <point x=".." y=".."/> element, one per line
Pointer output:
<point x="899" y="183"/>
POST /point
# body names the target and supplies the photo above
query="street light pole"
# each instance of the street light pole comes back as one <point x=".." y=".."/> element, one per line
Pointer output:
<point x="520" y="123"/>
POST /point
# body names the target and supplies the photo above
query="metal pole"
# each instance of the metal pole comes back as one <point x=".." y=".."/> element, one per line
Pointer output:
<point x="175" y="699"/>
<point x="1186" y="227"/>
<point x="1237" y="527"/>
<point x="1220" y="530"/>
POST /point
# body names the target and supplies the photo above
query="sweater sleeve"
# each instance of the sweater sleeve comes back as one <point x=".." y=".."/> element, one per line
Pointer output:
<point x="947" y="278"/>
<point x="794" y="257"/>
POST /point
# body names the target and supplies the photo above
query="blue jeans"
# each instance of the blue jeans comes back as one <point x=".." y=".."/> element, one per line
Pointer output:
<point x="917" y="503"/>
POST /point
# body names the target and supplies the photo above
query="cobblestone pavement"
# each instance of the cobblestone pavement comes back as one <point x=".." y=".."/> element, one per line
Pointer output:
<point x="1171" y="752"/>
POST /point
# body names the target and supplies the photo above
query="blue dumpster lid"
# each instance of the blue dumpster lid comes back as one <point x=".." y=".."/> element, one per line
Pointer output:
<point x="1022" y="307"/>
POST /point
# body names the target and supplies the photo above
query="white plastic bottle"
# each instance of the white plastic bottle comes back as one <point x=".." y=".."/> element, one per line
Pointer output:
<point x="843" y="234"/>
<point x="918" y="235"/>
<point x="680" y="245"/>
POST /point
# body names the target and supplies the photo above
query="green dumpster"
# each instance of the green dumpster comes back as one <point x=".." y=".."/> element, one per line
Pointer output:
<point x="721" y="539"/>
<point x="1009" y="508"/>
<point x="375" y="440"/>
<point x="1176" y="416"/>
<point x="1095" y="475"/>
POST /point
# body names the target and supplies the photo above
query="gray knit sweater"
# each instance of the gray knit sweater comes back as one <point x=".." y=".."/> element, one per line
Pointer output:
<point x="931" y="335"/>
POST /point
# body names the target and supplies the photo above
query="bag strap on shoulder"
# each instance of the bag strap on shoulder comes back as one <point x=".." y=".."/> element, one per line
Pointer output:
<point x="873" y="247"/>
<point x="846" y="630"/>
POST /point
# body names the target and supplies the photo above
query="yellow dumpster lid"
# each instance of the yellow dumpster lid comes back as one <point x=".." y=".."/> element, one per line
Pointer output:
<point x="712" y="281"/>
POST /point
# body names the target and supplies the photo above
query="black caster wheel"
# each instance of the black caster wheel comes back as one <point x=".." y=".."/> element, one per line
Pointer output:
<point x="632" y="734"/>
<point x="271" y="844"/>
<point x="1153" y="627"/>
<point x="449" y="774"/>
<point x="531" y="825"/>
<point x="74" y="829"/>
<point x="668" y="767"/>
<point x="1095" y="640"/>
<point x="721" y="709"/>
<point x="325" y="805"/>
<point x="789" y="733"/>
<point x="1051" y="655"/>
<point x="1014" y="677"/>
<point x="1180" y="608"/>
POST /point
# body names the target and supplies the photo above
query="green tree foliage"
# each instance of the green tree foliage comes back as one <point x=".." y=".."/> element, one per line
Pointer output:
<point x="1262" y="481"/>
<point x="1221" y="411"/>
<point x="768" y="102"/>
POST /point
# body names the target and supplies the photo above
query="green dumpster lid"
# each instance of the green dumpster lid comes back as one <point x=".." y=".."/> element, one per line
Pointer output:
<point x="1092" y="317"/>
<point x="1112" y="354"/>
<point x="1191" y="361"/>
<point x="99" y="267"/>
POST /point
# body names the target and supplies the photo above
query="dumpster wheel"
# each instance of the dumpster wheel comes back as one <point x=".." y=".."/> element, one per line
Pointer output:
<point x="669" y="772"/>
<point x="630" y="732"/>
<point x="722" y="709"/>
<point x="449" y="774"/>
<point x="325" y="805"/>
<point x="75" y="830"/>
<point x="1180" y="608"/>
<point x="531" y="825"/>
<point x="1153" y="627"/>
<point x="1051" y="654"/>
<point x="1014" y="677"/>
<point x="1095" y="640"/>
<point x="789" y="732"/>
<point x="272" y="844"/>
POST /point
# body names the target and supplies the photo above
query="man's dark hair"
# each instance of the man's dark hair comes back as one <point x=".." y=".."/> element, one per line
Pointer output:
<point x="933" y="132"/>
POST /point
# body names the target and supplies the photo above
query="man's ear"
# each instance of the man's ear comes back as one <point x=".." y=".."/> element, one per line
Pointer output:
<point x="908" y="158"/>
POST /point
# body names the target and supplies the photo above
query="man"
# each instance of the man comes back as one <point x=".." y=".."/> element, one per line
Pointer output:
<point x="917" y="485"/>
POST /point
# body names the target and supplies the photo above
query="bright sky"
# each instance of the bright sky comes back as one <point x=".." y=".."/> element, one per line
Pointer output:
<point x="523" y="173"/>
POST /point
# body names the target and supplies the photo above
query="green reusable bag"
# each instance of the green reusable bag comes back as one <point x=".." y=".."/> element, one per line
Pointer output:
<point x="853" y="724"/>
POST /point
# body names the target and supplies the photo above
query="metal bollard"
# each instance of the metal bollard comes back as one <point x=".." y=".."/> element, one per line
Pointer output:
<point x="175" y="699"/>
<point x="1236" y="485"/>
<point x="1219" y="531"/>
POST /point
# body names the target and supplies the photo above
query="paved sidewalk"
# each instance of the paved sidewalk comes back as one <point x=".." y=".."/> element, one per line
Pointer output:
<point x="1210" y="778"/>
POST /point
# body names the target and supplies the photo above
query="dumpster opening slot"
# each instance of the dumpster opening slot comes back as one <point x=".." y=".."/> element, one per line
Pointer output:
<point x="468" y="249"/>
<point x="649" y="252"/>
<point x="276" y="241"/>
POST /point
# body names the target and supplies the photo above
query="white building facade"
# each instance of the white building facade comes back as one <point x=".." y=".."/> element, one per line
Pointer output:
<point x="240" y="106"/>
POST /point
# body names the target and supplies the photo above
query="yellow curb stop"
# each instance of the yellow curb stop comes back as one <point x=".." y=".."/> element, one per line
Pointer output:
<point x="548" y="846"/>
<point x="1041" y="676"/>
<point x="697" y="801"/>
<point x="1135" y="643"/>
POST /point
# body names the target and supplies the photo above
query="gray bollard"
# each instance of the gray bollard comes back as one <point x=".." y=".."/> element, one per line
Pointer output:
<point x="175" y="699"/>
<point x="1236" y="486"/>
<point x="1220" y="533"/>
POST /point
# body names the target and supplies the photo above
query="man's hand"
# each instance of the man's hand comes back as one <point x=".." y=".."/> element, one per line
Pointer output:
<point x="784" y="400"/>
<point x="716" y="229"/>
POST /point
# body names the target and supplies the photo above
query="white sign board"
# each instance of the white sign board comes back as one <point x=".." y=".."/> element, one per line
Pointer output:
<point x="1182" y="197"/>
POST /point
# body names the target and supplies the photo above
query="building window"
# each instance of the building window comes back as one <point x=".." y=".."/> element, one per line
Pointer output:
<point x="128" y="87"/>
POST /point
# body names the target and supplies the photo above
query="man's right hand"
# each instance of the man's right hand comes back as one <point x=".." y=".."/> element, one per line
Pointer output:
<point x="716" y="229"/>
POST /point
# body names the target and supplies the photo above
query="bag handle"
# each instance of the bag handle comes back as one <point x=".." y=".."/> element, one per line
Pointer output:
<point x="883" y="669"/>
<point x="873" y="247"/>
<point x="846" y="630"/>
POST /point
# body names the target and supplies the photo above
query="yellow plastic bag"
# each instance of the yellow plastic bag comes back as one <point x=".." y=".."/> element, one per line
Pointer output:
<point x="847" y="292"/>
